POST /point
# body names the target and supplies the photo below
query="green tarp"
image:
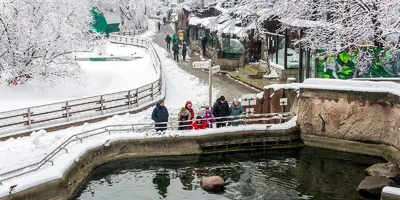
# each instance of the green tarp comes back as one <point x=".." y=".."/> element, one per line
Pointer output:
<point x="100" y="24"/>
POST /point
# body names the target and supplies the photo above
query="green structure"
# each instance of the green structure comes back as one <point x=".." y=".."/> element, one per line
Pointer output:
<point x="104" y="23"/>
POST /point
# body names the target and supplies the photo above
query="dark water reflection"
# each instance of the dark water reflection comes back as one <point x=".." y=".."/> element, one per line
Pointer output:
<point x="302" y="173"/>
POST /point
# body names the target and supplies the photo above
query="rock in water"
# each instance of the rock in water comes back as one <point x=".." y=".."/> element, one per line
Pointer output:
<point x="387" y="170"/>
<point x="212" y="183"/>
<point x="373" y="185"/>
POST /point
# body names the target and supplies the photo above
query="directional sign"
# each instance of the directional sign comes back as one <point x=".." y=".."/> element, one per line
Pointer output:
<point x="283" y="101"/>
<point x="215" y="69"/>
<point x="201" y="65"/>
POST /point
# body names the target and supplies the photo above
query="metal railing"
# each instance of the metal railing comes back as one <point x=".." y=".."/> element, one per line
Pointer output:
<point x="132" y="128"/>
<point x="131" y="32"/>
<point x="38" y="117"/>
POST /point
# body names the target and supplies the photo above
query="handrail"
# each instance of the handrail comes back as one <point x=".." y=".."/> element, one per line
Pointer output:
<point x="134" y="128"/>
<point x="92" y="106"/>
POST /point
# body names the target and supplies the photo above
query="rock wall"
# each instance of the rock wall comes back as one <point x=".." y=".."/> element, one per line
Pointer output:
<point x="356" y="116"/>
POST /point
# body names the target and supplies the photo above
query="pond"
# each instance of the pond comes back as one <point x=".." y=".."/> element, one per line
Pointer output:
<point x="299" y="173"/>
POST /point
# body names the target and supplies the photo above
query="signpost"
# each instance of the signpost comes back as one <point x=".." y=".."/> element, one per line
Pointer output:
<point x="211" y="70"/>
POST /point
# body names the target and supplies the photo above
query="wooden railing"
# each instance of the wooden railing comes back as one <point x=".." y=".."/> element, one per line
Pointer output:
<point x="38" y="117"/>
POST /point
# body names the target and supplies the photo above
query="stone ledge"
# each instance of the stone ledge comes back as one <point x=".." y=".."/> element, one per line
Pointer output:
<point x="65" y="187"/>
<point x="385" y="151"/>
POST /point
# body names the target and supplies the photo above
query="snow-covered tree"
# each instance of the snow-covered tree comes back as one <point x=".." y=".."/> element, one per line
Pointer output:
<point x="134" y="13"/>
<point x="331" y="25"/>
<point x="200" y="3"/>
<point x="37" y="38"/>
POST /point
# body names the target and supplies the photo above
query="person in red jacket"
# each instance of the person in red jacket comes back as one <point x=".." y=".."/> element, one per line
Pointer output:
<point x="189" y="108"/>
<point x="199" y="123"/>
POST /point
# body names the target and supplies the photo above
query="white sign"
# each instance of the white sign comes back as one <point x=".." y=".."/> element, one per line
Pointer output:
<point x="215" y="69"/>
<point x="201" y="65"/>
<point x="283" y="101"/>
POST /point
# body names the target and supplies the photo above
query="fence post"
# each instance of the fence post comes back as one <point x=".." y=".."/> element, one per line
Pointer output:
<point x="67" y="110"/>
<point x="101" y="104"/>
<point x="129" y="98"/>
<point x="29" y="118"/>
<point x="137" y="97"/>
<point x="152" y="92"/>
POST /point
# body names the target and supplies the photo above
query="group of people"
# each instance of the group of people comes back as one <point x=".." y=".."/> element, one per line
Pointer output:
<point x="222" y="114"/>
<point x="175" y="48"/>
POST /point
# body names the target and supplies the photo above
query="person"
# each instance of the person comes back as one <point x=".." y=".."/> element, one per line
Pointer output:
<point x="168" y="41"/>
<point x="184" y="50"/>
<point x="183" y="117"/>
<point x="221" y="110"/>
<point x="174" y="38"/>
<point x="209" y="118"/>
<point x="203" y="44"/>
<point x="189" y="108"/>
<point x="164" y="20"/>
<point x="236" y="110"/>
<point x="175" y="50"/>
<point x="199" y="123"/>
<point x="159" y="26"/>
<point x="160" y="115"/>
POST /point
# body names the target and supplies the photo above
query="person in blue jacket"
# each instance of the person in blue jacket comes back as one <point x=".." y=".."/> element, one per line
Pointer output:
<point x="160" y="115"/>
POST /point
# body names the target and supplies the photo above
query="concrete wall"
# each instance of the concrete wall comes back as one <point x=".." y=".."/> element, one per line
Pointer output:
<point x="350" y="116"/>
<point x="284" y="74"/>
<point x="64" y="187"/>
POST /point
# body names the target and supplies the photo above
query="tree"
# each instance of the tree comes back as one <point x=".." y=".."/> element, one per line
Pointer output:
<point x="38" y="37"/>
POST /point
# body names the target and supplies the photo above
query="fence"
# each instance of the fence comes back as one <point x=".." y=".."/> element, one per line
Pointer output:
<point x="131" y="32"/>
<point x="38" y="117"/>
<point x="132" y="128"/>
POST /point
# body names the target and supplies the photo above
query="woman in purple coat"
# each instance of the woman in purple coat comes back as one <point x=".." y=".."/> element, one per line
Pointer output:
<point x="210" y="119"/>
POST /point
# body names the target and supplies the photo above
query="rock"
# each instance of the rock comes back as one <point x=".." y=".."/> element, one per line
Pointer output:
<point x="212" y="183"/>
<point x="373" y="185"/>
<point x="387" y="170"/>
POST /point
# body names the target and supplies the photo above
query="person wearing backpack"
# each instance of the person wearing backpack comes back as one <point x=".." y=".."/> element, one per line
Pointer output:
<point x="175" y="50"/>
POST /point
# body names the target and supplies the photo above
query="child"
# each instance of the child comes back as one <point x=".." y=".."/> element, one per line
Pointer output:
<point x="209" y="118"/>
<point x="183" y="117"/>
<point x="199" y="123"/>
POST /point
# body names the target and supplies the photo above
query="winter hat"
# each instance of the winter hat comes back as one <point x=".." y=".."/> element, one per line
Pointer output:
<point x="183" y="109"/>
<point x="222" y="98"/>
<point x="160" y="101"/>
<point x="199" y="117"/>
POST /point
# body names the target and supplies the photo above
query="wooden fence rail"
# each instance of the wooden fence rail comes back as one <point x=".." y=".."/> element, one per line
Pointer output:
<point x="33" y="118"/>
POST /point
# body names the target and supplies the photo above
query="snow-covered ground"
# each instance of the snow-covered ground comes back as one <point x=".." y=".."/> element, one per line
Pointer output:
<point x="99" y="78"/>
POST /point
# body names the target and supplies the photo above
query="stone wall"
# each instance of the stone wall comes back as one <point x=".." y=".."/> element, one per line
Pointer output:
<point x="366" y="117"/>
<point x="284" y="74"/>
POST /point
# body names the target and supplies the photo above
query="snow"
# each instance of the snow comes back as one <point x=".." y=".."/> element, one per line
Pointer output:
<point x="27" y="150"/>
<point x="99" y="78"/>
<point x="210" y="23"/>
<point x="341" y="85"/>
<point x="303" y="23"/>
<point x="271" y="75"/>
<point x="62" y="161"/>
<point x="277" y="66"/>
<point x="112" y="18"/>
<point x="391" y="190"/>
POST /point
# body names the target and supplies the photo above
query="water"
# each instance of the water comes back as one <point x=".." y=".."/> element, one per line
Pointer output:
<point x="301" y="173"/>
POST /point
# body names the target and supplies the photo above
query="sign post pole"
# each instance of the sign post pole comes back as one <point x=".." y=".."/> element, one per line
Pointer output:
<point x="210" y="85"/>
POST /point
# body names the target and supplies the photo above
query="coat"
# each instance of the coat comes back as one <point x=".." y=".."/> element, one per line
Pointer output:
<point x="202" y="125"/>
<point x="160" y="114"/>
<point x="190" y="110"/>
<point x="174" y="38"/>
<point x="182" y="117"/>
<point x="184" y="49"/>
<point x="221" y="110"/>
<point x="175" y="49"/>
<point x="209" y="118"/>
<point x="168" y="39"/>
<point x="235" y="111"/>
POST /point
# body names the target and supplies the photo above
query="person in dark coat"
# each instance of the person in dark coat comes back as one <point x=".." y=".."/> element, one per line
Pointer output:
<point x="221" y="109"/>
<point x="164" y="20"/>
<point x="184" y="50"/>
<point x="168" y="41"/>
<point x="236" y="110"/>
<point x="159" y="26"/>
<point x="203" y="44"/>
<point x="159" y="115"/>
<point x="175" y="49"/>
<point x="183" y="118"/>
